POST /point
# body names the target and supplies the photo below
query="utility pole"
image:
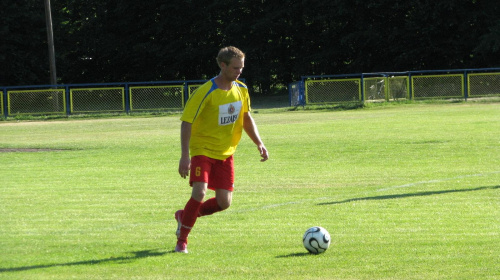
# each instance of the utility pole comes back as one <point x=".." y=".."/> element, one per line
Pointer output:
<point x="50" y="40"/>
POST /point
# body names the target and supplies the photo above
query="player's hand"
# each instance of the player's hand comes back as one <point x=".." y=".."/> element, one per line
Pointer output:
<point x="264" y="154"/>
<point x="184" y="166"/>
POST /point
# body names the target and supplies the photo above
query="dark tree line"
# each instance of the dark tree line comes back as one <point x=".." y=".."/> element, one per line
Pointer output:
<point x="130" y="40"/>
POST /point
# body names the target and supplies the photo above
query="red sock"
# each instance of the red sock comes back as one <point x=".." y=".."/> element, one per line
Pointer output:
<point x="189" y="217"/>
<point x="209" y="207"/>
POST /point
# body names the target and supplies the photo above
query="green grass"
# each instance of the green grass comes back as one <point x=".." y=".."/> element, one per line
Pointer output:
<point x="407" y="192"/>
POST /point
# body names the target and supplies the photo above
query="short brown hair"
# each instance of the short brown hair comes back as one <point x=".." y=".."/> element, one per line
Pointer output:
<point x="227" y="53"/>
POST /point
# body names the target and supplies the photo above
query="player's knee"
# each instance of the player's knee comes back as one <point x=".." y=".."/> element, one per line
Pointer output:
<point x="224" y="204"/>
<point x="198" y="195"/>
<point x="199" y="191"/>
<point x="224" y="198"/>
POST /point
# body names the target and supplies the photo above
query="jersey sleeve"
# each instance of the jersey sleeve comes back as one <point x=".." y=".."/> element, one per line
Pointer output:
<point x="245" y="96"/>
<point x="195" y="103"/>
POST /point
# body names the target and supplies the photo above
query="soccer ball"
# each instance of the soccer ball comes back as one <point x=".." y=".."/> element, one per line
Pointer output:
<point x="316" y="240"/>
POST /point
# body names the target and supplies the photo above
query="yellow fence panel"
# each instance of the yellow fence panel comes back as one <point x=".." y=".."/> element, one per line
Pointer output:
<point x="147" y="98"/>
<point x="438" y="86"/>
<point x="36" y="102"/>
<point x="1" y="104"/>
<point x="398" y="88"/>
<point x="332" y="91"/>
<point x="483" y="84"/>
<point x="92" y="100"/>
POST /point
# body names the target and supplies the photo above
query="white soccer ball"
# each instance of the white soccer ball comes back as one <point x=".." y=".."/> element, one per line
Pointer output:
<point x="316" y="240"/>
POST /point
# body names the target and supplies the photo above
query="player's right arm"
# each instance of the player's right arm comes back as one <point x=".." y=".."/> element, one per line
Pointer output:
<point x="185" y="161"/>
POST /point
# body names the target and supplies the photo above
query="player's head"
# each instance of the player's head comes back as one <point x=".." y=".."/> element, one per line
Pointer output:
<point x="231" y="61"/>
<point x="227" y="53"/>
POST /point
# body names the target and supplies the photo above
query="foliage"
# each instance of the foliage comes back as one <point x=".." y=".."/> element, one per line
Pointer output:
<point x="111" y="41"/>
<point x="23" y="50"/>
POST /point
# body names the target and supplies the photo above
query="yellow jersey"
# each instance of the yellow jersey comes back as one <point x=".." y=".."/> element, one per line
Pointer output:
<point x="216" y="116"/>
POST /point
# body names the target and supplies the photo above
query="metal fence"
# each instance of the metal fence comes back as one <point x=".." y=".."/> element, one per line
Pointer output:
<point x="172" y="95"/>
<point x="397" y="88"/>
<point x="483" y="84"/>
<point x="414" y="85"/>
<point x="92" y="100"/>
<point x="146" y="98"/>
<point x="35" y="101"/>
<point x="96" y="98"/>
<point x="336" y="90"/>
<point x="438" y="86"/>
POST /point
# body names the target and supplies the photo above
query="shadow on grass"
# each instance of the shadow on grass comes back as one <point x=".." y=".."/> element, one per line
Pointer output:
<point x="295" y="255"/>
<point x="136" y="255"/>
<point x="394" y="196"/>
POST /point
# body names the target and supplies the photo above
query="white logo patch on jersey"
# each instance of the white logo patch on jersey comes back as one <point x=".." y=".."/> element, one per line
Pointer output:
<point x="228" y="113"/>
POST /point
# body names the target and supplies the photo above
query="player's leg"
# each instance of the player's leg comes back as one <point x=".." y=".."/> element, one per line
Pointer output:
<point x="220" y="202"/>
<point x="222" y="181"/>
<point x="192" y="208"/>
<point x="187" y="218"/>
<point x="209" y="207"/>
<point x="198" y="176"/>
<point x="224" y="198"/>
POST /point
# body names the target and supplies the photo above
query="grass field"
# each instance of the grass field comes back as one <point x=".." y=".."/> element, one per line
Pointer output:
<point x="406" y="191"/>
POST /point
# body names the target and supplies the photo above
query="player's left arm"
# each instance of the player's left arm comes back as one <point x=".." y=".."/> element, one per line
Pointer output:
<point x="251" y="129"/>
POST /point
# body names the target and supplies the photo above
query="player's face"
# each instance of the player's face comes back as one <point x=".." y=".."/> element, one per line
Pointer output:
<point x="233" y="70"/>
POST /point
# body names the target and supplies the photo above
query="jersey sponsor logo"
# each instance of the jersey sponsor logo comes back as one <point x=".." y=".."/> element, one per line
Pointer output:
<point x="229" y="113"/>
<point x="230" y="109"/>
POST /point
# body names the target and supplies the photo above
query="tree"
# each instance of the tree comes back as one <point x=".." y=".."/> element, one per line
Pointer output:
<point x="128" y="40"/>
<point x="23" y="50"/>
<point x="486" y="52"/>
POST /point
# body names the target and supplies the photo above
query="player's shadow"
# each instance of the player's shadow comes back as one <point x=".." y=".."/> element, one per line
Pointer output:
<point x="124" y="259"/>
<point x="416" y="194"/>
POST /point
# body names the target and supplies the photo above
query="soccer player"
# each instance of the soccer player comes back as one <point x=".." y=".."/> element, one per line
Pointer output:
<point x="212" y="124"/>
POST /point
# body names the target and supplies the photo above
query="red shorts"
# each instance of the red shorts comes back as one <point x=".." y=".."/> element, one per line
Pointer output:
<point x="219" y="174"/>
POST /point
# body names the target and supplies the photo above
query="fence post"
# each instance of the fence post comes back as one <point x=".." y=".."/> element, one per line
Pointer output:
<point x="127" y="99"/>
<point x="466" y="85"/>
<point x="386" y="87"/>
<point x="302" y="93"/>
<point x="68" y="101"/>
<point x="410" y="86"/>
<point x="186" y="93"/>
<point x="362" y="87"/>
<point x="4" y="97"/>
